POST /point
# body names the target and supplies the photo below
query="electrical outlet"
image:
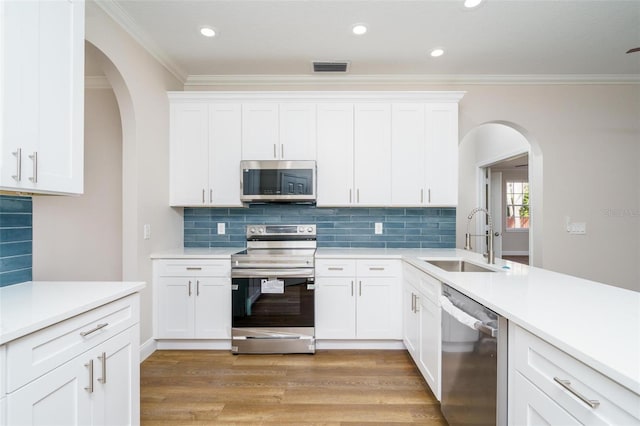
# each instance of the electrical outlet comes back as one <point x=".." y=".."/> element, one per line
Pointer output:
<point x="221" y="229"/>
<point x="378" y="228"/>
<point x="578" y="228"/>
<point x="146" y="231"/>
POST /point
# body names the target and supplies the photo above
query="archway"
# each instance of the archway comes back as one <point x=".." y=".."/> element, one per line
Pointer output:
<point x="488" y="144"/>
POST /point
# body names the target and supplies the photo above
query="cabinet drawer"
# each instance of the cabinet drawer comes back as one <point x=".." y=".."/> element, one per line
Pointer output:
<point x="37" y="353"/>
<point x="335" y="268"/>
<point x="541" y="363"/>
<point x="194" y="268"/>
<point x="411" y="275"/>
<point x="431" y="288"/>
<point x="378" y="268"/>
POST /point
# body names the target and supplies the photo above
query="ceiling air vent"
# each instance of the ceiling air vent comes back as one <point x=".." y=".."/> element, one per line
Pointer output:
<point x="330" y="66"/>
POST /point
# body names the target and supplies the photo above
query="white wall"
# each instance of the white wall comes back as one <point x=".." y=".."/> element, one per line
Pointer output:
<point x="140" y="84"/>
<point x="80" y="238"/>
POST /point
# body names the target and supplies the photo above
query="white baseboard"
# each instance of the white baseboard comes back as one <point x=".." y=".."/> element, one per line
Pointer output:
<point x="193" y="344"/>
<point x="359" y="344"/>
<point x="515" y="253"/>
<point x="147" y="348"/>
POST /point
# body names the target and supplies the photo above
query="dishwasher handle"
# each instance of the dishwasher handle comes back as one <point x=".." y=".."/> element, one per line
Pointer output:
<point x="466" y="319"/>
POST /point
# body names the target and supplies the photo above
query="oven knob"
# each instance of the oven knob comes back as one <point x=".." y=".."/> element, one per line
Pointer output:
<point x="252" y="230"/>
<point x="261" y="230"/>
<point x="309" y="229"/>
<point x="301" y="229"/>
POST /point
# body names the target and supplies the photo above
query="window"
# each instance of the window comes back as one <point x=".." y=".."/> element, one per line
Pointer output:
<point x="517" y="206"/>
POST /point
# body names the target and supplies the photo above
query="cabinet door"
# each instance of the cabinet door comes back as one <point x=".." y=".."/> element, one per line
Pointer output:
<point x="117" y="379"/>
<point x="335" y="155"/>
<point x="372" y="148"/>
<point x="410" y="327"/>
<point x="529" y="406"/>
<point x="175" y="307"/>
<point x="213" y="308"/>
<point x="442" y="154"/>
<point x="189" y="154"/>
<point x="408" y="139"/>
<point x="43" y="99"/>
<point x="335" y="305"/>
<point x="260" y="131"/>
<point x="297" y="131"/>
<point x="430" y="344"/>
<point x="225" y="149"/>
<point x="379" y="309"/>
<point x="60" y="397"/>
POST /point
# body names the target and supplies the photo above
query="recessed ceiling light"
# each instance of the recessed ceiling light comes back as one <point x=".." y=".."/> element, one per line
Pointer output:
<point x="437" y="52"/>
<point x="359" y="29"/>
<point x="471" y="3"/>
<point x="207" y="32"/>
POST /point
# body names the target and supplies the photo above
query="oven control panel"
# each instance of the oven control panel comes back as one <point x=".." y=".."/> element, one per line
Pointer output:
<point x="281" y="230"/>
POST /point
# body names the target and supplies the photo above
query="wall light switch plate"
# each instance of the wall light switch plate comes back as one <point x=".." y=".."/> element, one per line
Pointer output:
<point x="221" y="229"/>
<point x="578" y="228"/>
<point x="378" y="228"/>
<point x="146" y="231"/>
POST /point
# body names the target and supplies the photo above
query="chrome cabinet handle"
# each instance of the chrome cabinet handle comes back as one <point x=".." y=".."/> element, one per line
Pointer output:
<point x="34" y="177"/>
<point x="282" y="151"/>
<point x="202" y="195"/>
<point x="18" y="155"/>
<point x="274" y="151"/>
<point x="350" y="195"/>
<point x="90" y="366"/>
<point x="358" y="195"/>
<point x="211" y="195"/>
<point x="194" y="268"/>
<point x="413" y="302"/>
<point x="376" y="268"/>
<point x="417" y="307"/>
<point x="429" y="195"/>
<point x="189" y="288"/>
<point x="93" y="330"/>
<point x="332" y="268"/>
<point x="421" y="195"/>
<point x="103" y="359"/>
<point x="359" y="288"/>
<point x="352" y="288"/>
<point x="197" y="287"/>
<point x="593" y="403"/>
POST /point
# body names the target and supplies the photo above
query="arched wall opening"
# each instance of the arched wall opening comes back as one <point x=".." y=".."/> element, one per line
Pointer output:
<point x="490" y="143"/>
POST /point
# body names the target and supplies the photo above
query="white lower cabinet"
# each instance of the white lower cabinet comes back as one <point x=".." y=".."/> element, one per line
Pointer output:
<point x="358" y="299"/>
<point x="421" y="329"/>
<point x="193" y="299"/>
<point x="100" y="386"/>
<point x="537" y="396"/>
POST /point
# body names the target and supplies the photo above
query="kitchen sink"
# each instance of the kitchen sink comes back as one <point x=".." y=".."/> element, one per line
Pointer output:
<point x="458" y="266"/>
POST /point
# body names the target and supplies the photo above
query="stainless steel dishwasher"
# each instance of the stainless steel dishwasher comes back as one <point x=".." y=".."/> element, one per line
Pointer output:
<point x="474" y="362"/>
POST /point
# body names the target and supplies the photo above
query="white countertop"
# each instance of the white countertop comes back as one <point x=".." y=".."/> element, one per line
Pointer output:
<point x="198" y="253"/>
<point x="596" y="323"/>
<point x="31" y="306"/>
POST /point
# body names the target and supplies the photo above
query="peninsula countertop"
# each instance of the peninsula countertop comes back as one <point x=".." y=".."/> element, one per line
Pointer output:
<point x="34" y="305"/>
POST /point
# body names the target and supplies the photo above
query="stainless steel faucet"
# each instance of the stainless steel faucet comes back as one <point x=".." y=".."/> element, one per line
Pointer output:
<point x="491" y="256"/>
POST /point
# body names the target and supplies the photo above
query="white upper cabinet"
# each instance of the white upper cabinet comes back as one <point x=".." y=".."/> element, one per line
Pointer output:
<point x="42" y="96"/>
<point x="372" y="153"/>
<point x="272" y="131"/>
<point x="424" y="154"/>
<point x="335" y="154"/>
<point x="205" y="143"/>
<point x="442" y="154"/>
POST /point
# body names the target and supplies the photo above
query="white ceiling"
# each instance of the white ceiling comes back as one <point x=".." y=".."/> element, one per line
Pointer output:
<point x="500" y="39"/>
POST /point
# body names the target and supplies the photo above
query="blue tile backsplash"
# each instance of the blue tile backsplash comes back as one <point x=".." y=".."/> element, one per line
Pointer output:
<point x="15" y="239"/>
<point x="337" y="227"/>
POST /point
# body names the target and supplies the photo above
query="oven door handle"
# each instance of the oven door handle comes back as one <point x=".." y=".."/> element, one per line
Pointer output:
<point x="271" y="273"/>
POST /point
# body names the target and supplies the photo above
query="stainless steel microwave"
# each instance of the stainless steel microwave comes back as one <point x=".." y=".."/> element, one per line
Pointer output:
<point x="278" y="181"/>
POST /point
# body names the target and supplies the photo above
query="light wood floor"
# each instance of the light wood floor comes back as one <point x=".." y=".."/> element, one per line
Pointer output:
<point x="328" y="388"/>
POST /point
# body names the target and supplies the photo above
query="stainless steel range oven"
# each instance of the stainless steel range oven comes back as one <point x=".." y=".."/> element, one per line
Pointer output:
<point x="273" y="290"/>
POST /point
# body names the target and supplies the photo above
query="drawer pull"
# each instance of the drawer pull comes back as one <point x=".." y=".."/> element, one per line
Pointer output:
<point x="376" y="268"/>
<point x="194" y="268"/>
<point x="593" y="403"/>
<point x="103" y="358"/>
<point x="351" y="288"/>
<point x="90" y="367"/>
<point x="331" y="268"/>
<point x="98" y="327"/>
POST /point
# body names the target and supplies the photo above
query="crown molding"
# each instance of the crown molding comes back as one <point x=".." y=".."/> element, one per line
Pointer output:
<point x="122" y="18"/>
<point x="96" y="82"/>
<point x="320" y="95"/>
<point x="407" y="80"/>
